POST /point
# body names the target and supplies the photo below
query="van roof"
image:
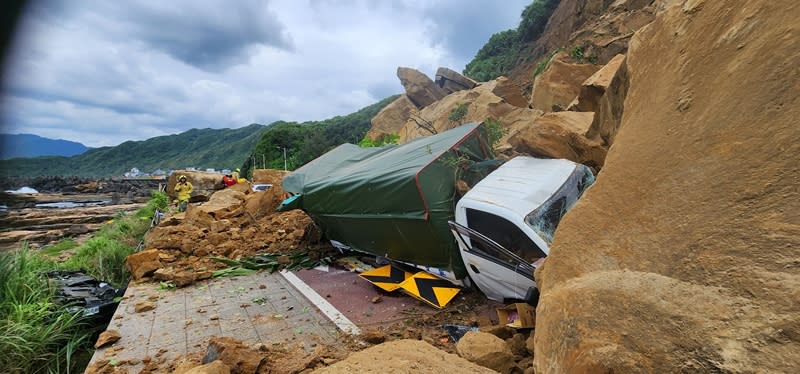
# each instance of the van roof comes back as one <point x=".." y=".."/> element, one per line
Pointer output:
<point x="522" y="184"/>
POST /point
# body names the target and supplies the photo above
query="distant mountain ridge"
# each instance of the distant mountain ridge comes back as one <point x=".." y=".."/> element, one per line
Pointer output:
<point x="199" y="148"/>
<point x="29" y="145"/>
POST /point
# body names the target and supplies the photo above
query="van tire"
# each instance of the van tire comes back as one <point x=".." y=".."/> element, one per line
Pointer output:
<point x="532" y="296"/>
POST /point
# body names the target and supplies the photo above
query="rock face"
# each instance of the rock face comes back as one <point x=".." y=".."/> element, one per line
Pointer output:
<point x="594" y="87"/>
<point x="451" y="81"/>
<point x="204" y="184"/>
<point x="420" y="89"/>
<point x="486" y="350"/>
<point x="482" y="104"/>
<point x="391" y="118"/>
<point x="683" y="255"/>
<point x="510" y="92"/>
<point x="403" y="356"/>
<point x="561" y="135"/>
<point x="557" y="86"/>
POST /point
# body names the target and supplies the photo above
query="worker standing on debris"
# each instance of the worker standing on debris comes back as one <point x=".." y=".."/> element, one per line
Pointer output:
<point x="184" y="190"/>
<point x="235" y="174"/>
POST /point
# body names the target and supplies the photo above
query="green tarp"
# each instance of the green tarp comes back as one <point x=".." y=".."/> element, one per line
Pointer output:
<point x="395" y="200"/>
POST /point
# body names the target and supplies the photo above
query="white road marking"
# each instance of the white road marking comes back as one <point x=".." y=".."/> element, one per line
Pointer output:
<point x="324" y="306"/>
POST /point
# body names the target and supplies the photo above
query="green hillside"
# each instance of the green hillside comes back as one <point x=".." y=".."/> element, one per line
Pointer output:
<point x="200" y="148"/>
<point x="308" y="140"/>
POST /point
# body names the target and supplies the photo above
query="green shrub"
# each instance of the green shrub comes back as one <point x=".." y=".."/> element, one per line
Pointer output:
<point x="61" y="246"/>
<point x="383" y="140"/>
<point x="458" y="113"/>
<point x="496" y="57"/>
<point x="102" y="258"/>
<point x="37" y="335"/>
<point x="495" y="130"/>
<point x="534" y="19"/>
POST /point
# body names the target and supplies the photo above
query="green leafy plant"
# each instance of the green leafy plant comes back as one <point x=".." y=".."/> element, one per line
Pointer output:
<point x="544" y="63"/>
<point x="381" y="141"/>
<point x="38" y="335"/>
<point x="534" y="18"/>
<point x="458" y="113"/>
<point x="61" y="246"/>
<point x="495" y="130"/>
<point x="577" y="54"/>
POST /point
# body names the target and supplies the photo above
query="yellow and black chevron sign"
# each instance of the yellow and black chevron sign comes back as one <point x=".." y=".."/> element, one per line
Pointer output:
<point x="430" y="289"/>
<point x="387" y="277"/>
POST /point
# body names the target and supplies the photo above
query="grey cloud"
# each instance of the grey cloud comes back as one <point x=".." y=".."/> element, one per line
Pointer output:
<point x="464" y="27"/>
<point x="209" y="35"/>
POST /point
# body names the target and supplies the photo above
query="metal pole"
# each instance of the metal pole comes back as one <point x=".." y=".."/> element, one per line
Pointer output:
<point x="284" y="159"/>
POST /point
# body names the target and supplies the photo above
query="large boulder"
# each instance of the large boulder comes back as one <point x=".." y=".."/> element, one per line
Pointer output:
<point x="561" y="135"/>
<point x="683" y="256"/>
<point x="588" y="99"/>
<point x="482" y="104"/>
<point x="452" y="81"/>
<point x="486" y="350"/>
<point x="419" y="88"/>
<point x="223" y="204"/>
<point x="144" y="263"/>
<point x="391" y="118"/>
<point x="557" y="86"/>
<point x="510" y="92"/>
<point x="204" y="184"/>
<point x="272" y="176"/>
<point x="403" y="356"/>
<point x="610" y="107"/>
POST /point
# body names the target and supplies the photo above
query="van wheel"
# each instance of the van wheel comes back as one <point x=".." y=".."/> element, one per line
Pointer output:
<point x="532" y="296"/>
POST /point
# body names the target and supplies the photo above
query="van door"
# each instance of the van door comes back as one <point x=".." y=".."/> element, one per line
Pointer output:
<point x="496" y="271"/>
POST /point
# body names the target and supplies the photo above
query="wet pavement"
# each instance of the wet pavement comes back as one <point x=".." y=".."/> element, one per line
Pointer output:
<point x="260" y="308"/>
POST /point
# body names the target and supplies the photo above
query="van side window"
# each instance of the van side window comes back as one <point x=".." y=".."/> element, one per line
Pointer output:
<point x="505" y="233"/>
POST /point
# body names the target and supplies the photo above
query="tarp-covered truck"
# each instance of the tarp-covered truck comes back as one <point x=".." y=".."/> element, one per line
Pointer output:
<point x="401" y="202"/>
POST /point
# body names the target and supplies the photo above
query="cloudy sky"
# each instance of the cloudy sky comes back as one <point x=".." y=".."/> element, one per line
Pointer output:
<point x="103" y="72"/>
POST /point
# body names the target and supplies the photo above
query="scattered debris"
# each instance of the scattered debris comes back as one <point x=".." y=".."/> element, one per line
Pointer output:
<point x="107" y="337"/>
<point x="143" y="306"/>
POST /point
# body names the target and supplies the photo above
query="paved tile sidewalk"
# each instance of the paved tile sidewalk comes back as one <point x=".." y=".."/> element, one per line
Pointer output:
<point x="259" y="308"/>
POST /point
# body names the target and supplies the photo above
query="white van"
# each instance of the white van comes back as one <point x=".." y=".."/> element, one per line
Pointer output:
<point x="505" y="224"/>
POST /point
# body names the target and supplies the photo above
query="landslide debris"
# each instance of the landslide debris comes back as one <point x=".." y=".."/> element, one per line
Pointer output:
<point x="234" y="223"/>
<point x="683" y="255"/>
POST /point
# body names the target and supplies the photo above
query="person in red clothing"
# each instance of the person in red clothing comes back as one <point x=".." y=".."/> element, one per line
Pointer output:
<point x="228" y="180"/>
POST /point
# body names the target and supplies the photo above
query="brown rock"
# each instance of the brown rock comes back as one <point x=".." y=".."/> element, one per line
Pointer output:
<point x="482" y="104"/>
<point x="510" y="92"/>
<point x="501" y="331"/>
<point x="530" y="343"/>
<point x="588" y="99"/>
<point x="557" y="86"/>
<point x="517" y="344"/>
<point x="451" y="81"/>
<point x="214" y="367"/>
<point x="144" y="263"/>
<point x="143" y="306"/>
<point x="391" y="119"/>
<point x="233" y="353"/>
<point x="271" y="176"/>
<point x="486" y="350"/>
<point x="420" y="89"/>
<point x="107" y="337"/>
<point x="610" y="107"/>
<point x="691" y="266"/>
<point x="560" y="135"/>
<point x="403" y="356"/>
<point x="373" y="336"/>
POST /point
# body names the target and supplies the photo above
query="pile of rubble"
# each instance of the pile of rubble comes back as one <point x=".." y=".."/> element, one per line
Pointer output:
<point x="232" y="223"/>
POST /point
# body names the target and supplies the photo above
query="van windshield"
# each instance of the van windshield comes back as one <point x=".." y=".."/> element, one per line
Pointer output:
<point x="546" y="217"/>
